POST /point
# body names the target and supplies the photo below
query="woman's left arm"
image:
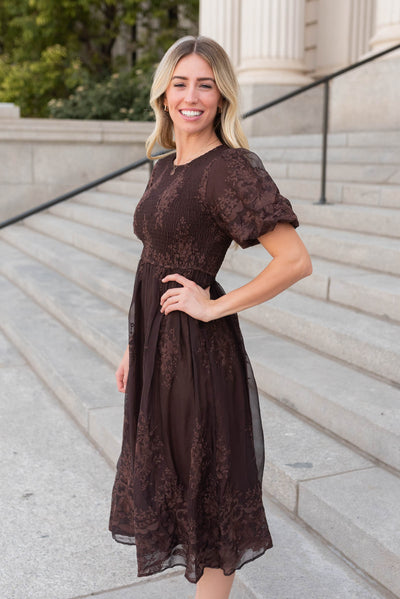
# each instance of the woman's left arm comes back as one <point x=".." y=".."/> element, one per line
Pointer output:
<point x="290" y="263"/>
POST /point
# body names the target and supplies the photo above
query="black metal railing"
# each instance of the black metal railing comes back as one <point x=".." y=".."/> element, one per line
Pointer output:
<point x="322" y="81"/>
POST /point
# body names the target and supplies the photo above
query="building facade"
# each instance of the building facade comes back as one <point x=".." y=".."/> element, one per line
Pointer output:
<point x="279" y="45"/>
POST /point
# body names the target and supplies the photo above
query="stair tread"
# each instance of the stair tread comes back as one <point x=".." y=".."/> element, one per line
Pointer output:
<point x="79" y="309"/>
<point x="267" y="351"/>
<point x="377" y="241"/>
<point x="326" y="574"/>
<point x="91" y="316"/>
<point x="350" y="138"/>
<point x="358" y="513"/>
<point x="82" y="379"/>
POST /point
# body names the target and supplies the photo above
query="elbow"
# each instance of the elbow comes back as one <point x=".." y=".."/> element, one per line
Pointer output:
<point x="303" y="266"/>
<point x="307" y="266"/>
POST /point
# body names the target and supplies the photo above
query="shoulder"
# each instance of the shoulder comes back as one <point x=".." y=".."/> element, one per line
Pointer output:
<point x="236" y="161"/>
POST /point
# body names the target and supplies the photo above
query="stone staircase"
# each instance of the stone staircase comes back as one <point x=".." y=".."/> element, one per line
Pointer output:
<point x="326" y="354"/>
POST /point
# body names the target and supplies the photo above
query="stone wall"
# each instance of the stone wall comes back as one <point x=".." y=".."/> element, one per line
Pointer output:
<point x="42" y="158"/>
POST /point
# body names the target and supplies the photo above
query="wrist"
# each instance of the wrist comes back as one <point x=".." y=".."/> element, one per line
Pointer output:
<point x="213" y="310"/>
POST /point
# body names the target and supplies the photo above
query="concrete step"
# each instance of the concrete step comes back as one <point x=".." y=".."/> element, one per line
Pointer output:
<point x="121" y="186"/>
<point x="139" y="175"/>
<point x="371" y="292"/>
<point x="344" y="155"/>
<point x="358" y="339"/>
<point x="96" y="322"/>
<point x="94" y="274"/>
<point x="68" y="365"/>
<point x="62" y="361"/>
<point x="350" y="404"/>
<point x="358" y="139"/>
<point x="107" y="200"/>
<point x="358" y="513"/>
<point x="364" y="219"/>
<point x="358" y="173"/>
<point x="325" y="384"/>
<point x="386" y="196"/>
<point x="113" y="248"/>
<point x="107" y="220"/>
<point x="373" y="252"/>
<point x="282" y="570"/>
<point x="374" y="293"/>
<point x="368" y="343"/>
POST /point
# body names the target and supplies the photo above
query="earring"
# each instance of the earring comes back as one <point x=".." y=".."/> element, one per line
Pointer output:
<point x="165" y="108"/>
<point x="219" y="110"/>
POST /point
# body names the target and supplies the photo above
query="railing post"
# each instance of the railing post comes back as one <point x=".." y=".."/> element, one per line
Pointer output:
<point x="322" y="199"/>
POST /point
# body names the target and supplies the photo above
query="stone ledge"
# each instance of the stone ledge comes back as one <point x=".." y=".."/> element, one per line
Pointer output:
<point x="73" y="130"/>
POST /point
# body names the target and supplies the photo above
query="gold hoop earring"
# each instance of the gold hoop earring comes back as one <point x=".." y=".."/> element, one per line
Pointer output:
<point x="165" y="108"/>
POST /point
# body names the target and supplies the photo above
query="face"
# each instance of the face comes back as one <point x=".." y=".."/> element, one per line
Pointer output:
<point x="192" y="96"/>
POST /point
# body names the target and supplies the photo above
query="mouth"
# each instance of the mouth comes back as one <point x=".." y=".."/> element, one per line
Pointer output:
<point x="191" y="114"/>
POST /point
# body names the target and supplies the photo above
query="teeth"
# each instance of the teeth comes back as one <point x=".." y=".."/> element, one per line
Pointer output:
<point x="191" y="112"/>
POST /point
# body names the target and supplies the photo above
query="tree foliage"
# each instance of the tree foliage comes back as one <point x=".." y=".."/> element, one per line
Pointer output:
<point x="59" y="53"/>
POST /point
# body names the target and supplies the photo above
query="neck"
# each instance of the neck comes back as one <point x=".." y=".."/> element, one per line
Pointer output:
<point x="189" y="146"/>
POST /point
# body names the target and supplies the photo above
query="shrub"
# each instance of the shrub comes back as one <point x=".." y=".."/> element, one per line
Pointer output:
<point x="123" y="96"/>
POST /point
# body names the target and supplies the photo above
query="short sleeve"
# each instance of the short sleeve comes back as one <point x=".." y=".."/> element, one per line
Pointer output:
<point x="244" y="200"/>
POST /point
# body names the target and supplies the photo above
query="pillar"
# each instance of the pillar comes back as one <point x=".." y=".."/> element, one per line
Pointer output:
<point x="344" y="30"/>
<point x="387" y="25"/>
<point x="272" y="42"/>
<point x="220" y="20"/>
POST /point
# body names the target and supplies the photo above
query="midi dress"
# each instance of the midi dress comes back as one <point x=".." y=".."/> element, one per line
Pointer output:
<point x="188" y="483"/>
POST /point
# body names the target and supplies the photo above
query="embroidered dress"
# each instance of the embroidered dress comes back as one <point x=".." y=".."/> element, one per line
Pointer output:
<point x="188" y="488"/>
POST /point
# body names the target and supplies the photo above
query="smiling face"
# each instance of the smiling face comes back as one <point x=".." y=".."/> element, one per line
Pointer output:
<point x="192" y="97"/>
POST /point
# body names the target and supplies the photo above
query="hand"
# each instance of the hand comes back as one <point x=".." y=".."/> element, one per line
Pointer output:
<point x="121" y="373"/>
<point x="190" y="298"/>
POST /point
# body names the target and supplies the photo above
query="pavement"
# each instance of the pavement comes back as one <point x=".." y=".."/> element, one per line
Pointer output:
<point x="55" y="499"/>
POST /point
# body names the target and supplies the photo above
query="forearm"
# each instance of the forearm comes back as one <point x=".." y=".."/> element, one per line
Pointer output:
<point x="275" y="278"/>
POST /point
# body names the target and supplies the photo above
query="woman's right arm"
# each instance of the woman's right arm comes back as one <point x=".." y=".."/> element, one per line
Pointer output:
<point x="121" y="373"/>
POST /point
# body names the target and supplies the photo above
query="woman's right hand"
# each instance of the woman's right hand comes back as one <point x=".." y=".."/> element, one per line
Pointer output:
<point x="121" y="373"/>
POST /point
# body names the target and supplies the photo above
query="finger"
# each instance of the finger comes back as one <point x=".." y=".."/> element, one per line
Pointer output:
<point x="170" y="293"/>
<point x="176" y="277"/>
<point x="171" y="301"/>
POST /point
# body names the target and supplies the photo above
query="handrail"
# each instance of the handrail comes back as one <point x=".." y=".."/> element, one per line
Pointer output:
<point x="325" y="115"/>
<point x="322" y="81"/>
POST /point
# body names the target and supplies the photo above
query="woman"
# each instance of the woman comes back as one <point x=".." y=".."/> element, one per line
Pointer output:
<point x="188" y="483"/>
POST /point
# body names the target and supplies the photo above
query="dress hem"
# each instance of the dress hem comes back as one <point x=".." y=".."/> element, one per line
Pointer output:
<point x="184" y="564"/>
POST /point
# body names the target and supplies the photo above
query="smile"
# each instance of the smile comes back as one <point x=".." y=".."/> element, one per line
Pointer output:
<point x="191" y="113"/>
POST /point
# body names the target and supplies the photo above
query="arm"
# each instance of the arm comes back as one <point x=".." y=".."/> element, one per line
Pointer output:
<point x="290" y="263"/>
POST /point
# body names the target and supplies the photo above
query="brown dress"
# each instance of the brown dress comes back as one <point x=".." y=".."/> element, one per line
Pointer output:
<point x="188" y="484"/>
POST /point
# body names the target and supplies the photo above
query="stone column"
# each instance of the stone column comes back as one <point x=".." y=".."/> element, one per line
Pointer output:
<point x="220" y="19"/>
<point x="272" y="42"/>
<point x="272" y="63"/>
<point x="344" y="30"/>
<point x="387" y="25"/>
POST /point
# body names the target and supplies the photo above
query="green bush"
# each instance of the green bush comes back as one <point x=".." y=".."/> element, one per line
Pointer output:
<point x="31" y="84"/>
<point x="123" y="96"/>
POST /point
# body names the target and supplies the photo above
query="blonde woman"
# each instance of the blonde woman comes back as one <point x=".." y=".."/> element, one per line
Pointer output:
<point x="188" y="484"/>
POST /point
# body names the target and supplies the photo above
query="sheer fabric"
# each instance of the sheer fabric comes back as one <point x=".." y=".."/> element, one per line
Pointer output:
<point x="188" y="489"/>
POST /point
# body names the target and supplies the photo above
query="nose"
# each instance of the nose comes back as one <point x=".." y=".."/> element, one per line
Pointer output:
<point x="191" y="94"/>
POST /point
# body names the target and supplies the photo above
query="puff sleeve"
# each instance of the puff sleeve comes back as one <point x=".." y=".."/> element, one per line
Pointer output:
<point x="244" y="200"/>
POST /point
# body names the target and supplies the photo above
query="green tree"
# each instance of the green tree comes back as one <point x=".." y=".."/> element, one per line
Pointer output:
<point x="54" y="51"/>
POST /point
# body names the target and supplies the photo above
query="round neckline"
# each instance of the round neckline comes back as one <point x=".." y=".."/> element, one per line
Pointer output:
<point x="176" y="166"/>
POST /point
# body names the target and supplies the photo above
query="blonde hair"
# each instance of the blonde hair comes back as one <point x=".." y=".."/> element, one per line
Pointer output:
<point x="226" y="125"/>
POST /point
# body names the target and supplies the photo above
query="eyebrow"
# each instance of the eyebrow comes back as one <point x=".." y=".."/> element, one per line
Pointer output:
<point x="198" y="79"/>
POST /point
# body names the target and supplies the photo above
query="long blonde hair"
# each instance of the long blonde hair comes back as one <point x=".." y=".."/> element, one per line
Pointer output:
<point x="226" y="125"/>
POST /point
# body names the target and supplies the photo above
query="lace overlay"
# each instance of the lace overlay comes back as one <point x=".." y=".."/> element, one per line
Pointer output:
<point x="187" y="489"/>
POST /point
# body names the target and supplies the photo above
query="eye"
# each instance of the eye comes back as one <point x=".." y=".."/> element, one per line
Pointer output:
<point x="206" y="85"/>
<point x="178" y="85"/>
